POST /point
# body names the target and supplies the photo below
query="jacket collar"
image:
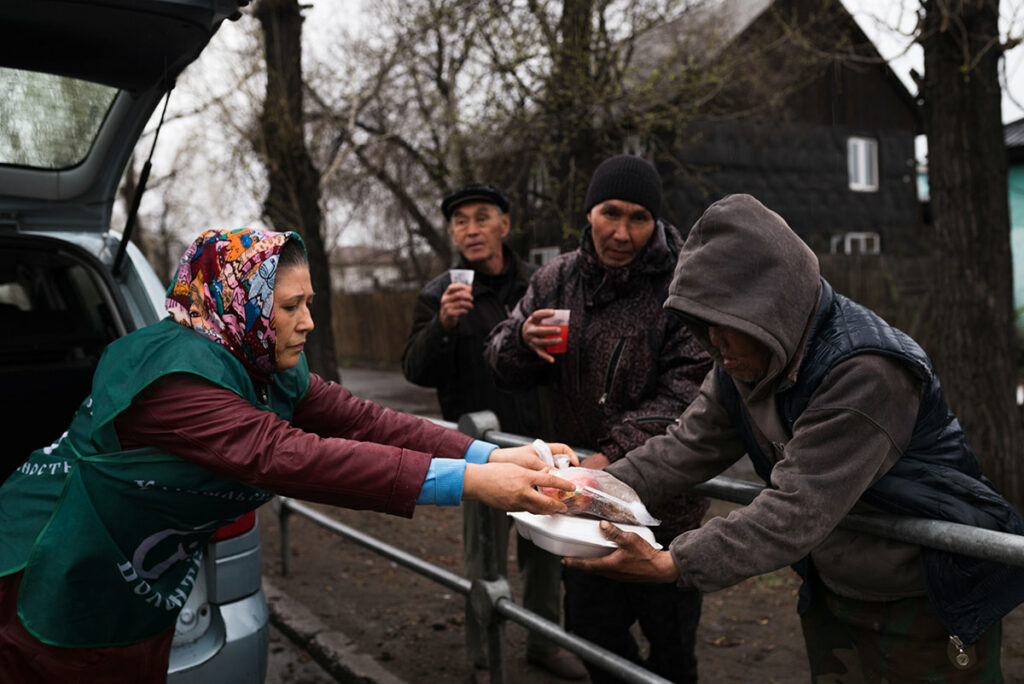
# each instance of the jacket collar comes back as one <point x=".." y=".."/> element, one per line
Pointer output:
<point x="657" y="256"/>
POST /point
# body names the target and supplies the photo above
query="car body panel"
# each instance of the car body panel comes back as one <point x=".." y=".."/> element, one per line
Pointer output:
<point x="235" y="567"/>
<point x="138" y="46"/>
<point x="57" y="264"/>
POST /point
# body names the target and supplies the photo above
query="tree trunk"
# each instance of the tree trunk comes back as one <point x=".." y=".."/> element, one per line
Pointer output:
<point x="293" y="199"/>
<point x="973" y="301"/>
<point x="570" y="111"/>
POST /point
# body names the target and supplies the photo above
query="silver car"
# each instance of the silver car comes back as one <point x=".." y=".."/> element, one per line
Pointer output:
<point x="80" y="80"/>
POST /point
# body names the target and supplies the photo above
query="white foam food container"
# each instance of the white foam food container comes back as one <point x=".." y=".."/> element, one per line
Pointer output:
<point x="568" y="535"/>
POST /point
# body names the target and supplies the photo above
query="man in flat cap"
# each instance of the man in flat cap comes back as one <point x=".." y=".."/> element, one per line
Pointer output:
<point x="451" y="320"/>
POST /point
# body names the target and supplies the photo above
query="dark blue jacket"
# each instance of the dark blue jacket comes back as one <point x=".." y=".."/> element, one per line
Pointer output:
<point x="937" y="477"/>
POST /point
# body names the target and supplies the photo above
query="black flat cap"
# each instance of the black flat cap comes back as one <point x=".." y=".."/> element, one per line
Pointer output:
<point x="480" y="192"/>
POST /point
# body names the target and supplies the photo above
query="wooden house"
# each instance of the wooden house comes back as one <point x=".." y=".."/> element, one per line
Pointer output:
<point x="808" y="118"/>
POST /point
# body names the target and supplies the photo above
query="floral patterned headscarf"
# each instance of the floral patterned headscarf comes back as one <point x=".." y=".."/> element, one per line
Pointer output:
<point x="224" y="289"/>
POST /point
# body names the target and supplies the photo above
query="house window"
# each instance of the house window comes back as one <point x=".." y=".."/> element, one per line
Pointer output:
<point x="862" y="163"/>
<point x="856" y="243"/>
<point x="542" y="255"/>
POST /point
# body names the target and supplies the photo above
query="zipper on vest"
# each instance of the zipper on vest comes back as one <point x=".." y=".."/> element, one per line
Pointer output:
<point x="957" y="646"/>
<point x="613" y="364"/>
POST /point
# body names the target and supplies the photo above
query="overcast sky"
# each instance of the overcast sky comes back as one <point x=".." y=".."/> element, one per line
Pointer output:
<point x="878" y="18"/>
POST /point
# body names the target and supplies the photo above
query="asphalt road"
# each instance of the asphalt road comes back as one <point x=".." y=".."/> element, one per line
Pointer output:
<point x="390" y="388"/>
<point x="288" y="663"/>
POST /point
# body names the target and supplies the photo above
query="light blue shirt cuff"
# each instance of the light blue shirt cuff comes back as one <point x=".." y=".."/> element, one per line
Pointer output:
<point x="443" y="484"/>
<point x="479" y="451"/>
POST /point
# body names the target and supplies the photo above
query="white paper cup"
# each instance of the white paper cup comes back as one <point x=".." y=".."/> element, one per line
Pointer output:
<point x="461" y="275"/>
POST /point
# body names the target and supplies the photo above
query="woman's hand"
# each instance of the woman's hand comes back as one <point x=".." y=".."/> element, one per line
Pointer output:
<point x="509" y="487"/>
<point x="527" y="457"/>
<point x="634" y="561"/>
<point x="539" y="337"/>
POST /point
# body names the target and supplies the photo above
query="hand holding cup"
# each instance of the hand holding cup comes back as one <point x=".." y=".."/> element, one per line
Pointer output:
<point x="457" y="298"/>
<point x="546" y="332"/>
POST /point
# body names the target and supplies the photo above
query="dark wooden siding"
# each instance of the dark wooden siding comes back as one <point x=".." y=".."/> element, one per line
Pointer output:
<point x="800" y="171"/>
<point x="830" y="70"/>
<point x="794" y="106"/>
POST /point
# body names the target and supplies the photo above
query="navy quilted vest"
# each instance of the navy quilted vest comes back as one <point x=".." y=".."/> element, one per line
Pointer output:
<point x="938" y="476"/>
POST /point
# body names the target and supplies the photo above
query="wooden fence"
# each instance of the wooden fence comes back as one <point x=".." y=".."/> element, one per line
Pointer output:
<point x="371" y="329"/>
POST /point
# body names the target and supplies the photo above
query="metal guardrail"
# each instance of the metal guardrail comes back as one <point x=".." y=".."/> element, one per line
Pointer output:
<point x="491" y="600"/>
<point x="966" y="540"/>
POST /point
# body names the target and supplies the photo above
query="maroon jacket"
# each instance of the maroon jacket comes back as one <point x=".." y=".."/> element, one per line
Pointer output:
<point x="338" y="449"/>
<point x="630" y="369"/>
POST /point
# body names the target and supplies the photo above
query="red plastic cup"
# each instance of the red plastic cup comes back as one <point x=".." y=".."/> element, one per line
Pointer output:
<point x="561" y="319"/>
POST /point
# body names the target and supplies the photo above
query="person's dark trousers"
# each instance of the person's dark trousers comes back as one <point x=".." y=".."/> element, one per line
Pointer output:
<point x="602" y="611"/>
<point x="899" y="641"/>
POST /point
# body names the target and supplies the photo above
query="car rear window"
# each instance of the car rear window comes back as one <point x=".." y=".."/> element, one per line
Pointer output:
<point x="49" y="121"/>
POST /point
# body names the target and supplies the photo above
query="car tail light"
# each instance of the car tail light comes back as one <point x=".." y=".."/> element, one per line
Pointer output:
<point x="237" y="528"/>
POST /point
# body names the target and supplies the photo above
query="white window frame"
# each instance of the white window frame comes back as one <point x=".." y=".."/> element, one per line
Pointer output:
<point x="542" y="255"/>
<point x="856" y="243"/>
<point x="862" y="163"/>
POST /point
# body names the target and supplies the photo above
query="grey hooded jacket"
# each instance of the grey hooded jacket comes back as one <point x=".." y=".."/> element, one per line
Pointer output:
<point x="857" y="422"/>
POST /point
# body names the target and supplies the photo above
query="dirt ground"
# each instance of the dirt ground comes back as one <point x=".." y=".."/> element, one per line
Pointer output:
<point x="749" y="632"/>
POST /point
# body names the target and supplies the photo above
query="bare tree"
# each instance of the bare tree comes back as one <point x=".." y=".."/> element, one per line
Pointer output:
<point x="973" y="286"/>
<point x="159" y="245"/>
<point x="526" y="95"/>
<point x="293" y="196"/>
<point x="205" y="172"/>
<point x="402" y="125"/>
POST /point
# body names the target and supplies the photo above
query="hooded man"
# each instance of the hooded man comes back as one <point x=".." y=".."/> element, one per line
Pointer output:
<point x="839" y="412"/>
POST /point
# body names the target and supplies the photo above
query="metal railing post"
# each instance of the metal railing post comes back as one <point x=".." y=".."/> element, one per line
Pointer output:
<point x="476" y="425"/>
<point x="483" y="598"/>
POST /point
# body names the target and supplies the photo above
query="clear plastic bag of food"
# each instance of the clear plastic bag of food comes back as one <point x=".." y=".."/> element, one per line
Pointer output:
<point x="597" y="493"/>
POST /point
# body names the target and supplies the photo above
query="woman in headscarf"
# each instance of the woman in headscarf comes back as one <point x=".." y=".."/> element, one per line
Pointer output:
<point x="192" y="422"/>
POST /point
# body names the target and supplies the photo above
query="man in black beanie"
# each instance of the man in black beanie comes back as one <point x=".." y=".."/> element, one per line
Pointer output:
<point x="627" y="372"/>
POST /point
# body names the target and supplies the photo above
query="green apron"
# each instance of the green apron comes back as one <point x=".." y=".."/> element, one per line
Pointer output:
<point x="111" y="540"/>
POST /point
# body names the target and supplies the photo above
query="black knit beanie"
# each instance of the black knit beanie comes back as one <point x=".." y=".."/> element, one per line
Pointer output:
<point x="626" y="178"/>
